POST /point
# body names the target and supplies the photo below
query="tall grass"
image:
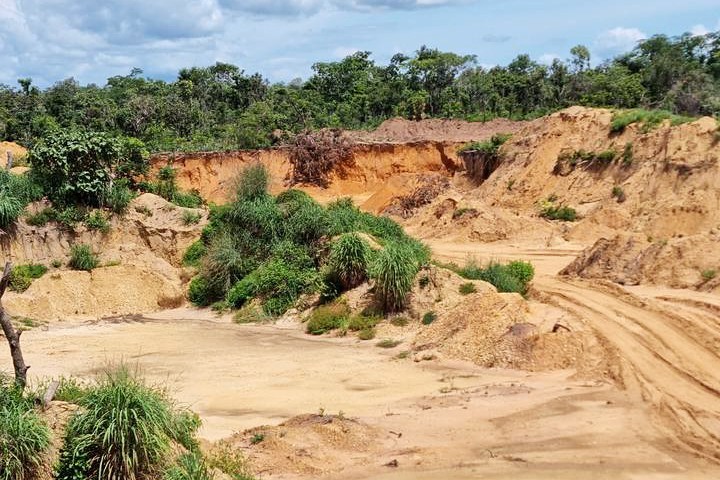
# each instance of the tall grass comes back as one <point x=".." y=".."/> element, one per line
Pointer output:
<point x="649" y="119"/>
<point x="24" y="437"/>
<point x="349" y="259"/>
<point x="252" y="183"/>
<point x="513" y="277"/>
<point x="393" y="270"/>
<point x="123" y="431"/>
<point x="10" y="208"/>
<point x="83" y="258"/>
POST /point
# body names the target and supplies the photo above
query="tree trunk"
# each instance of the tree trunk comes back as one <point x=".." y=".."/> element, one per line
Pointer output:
<point x="9" y="160"/>
<point x="12" y="335"/>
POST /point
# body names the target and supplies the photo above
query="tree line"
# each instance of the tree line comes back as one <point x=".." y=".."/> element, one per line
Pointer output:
<point x="221" y="107"/>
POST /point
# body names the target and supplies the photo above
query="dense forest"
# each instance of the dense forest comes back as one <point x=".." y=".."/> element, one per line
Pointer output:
<point x="222" y="107"/>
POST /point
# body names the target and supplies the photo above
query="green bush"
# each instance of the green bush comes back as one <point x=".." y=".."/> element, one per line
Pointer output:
<point x="362" y="322"/>
<point x="119" y="196"/>
<point x="97" y="221"/>
<point x="523" y="271"/>
<point x="709" y="274"/>
<point x="607" y="156"/>
<point x="349" y="259"/>
<point x="24" y="437"/>
<point x="429" y="318"/>
<point x="328" y="317"/>
<point x="367" y="334"/>
<point x="488" y="147"/>
<point x="190" y="217"/>
<point x="280" y="283"/>
<point x="243" y="291"/>
<point x="388" y="343"/>
<point x="199" y="293"/>
<point x="23" y="187"/>
<point x="70" y="216"/>
<point x="561" y="212"/>
<point x="83" y="258"/>
<point x="194" y="254"/>
<point x="22" y="276"/>
<point x="252" y="183"/>
<point x="187" y="199"/>
<point x="393" y="270"/>
<point x="467" y="288"/>
<point x="124" y="430"/>
<point x="513" y="277"/>
<point x="502" y="278"/>
<point x="41" y="218"/>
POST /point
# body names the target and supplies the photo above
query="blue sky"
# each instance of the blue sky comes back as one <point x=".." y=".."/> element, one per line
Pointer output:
<point x="91" y="40"/>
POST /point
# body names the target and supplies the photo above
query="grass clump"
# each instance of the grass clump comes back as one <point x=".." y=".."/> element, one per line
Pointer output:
<point x="359" y="323"/>
<point x="366" y="334"/>
<point x="194" y="253"/>
<point x="97" y="221"/>
<point x="119" y="196"/>
<point x="558" y="212"/>
<point x="327" y="318"/>
<point x="513" y="277"/>
<point x="467" y="288"/>
<point x="251" y="313"/>
<point x="349" y="259"/>
<point x="41" y="218"/>
<point x="83" y="258"/>
<point x="388" y="343"/>
<point x="393" y="270"/>
<point x="649" y="119"/>
<point x="627" y="155"/>
<point x="189" y="466"/>
<point x="22" y="276"/>
<point x="488" y="147"/>
<point x="24" y="437"/>
<point x="709" y="274"/>
<point x="190" y="217"/>
<point x="124" y="430"/>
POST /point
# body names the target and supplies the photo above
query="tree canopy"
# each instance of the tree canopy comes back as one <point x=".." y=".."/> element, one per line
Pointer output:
<point x="222" y="107"/>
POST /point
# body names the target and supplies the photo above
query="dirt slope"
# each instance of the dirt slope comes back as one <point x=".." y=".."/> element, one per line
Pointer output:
<point x="400" y="130"/>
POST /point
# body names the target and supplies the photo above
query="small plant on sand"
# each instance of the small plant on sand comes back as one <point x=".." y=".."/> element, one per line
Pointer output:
<point x="709" y="274"/>
<point x="399" y="321"/>
<point x="467" y="288"/>
<point x="429" y="318"/>
<point x="190" y="217"/>
<point x="97" y="221"/>
<point x="558" y="212"/>
<point x="366" y="334"/>
<point x="388" y="343"/>
<point x="22" y="276"/>
<point x="83" y="258"/>
<point x="627" y="155"/>
<point x="619" y="194"/>
<point x="328" y="317"/>
<point x="394" y="271"/>
<point x="257" y="438"/>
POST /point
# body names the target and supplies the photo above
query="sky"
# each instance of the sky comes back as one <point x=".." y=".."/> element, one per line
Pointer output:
<point x="92" y="40"/>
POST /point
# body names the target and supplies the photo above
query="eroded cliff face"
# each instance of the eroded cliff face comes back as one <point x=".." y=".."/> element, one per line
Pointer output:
<point x="373" y="166"/>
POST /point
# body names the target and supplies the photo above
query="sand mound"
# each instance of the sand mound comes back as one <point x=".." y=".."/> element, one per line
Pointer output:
<point x="685" y="262"/>
<point x="308" y="445"/>
<point x="145" y="247"/>
<point x="400" y="130"/>
<point x="18" y="152"/>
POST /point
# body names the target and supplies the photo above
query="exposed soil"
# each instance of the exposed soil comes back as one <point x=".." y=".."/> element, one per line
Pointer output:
<point x="610" y="370"/>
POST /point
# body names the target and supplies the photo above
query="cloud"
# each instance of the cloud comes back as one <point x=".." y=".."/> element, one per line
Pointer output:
<point x="548" y="58"/>
<point x="619" y="39"/>
<point x="701" y="29"/>
<point x="490" y="38"/>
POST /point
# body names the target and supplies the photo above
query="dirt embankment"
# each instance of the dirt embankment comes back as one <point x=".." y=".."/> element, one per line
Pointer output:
<point x="400" y="130"/>
<point x="140" y="260"/>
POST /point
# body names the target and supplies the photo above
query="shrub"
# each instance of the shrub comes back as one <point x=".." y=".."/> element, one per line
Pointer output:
<point x="488" y="147"/>
<point x="225" y="264"/>
<point x="189" y="466"/>
<point x="194" y="254"/>
<point x="119" y="196"/>
<point x="199" y="292"/>
<point x="502" y="278"/>
<point x="306" y="221"/>
<point x="314" y="155"/>
<point x="97" y="221"/>
<point x="388" y="343"/>
<point x="607" y="156"/>
<point x="627" y="155"/>
<point x="467" y="288"/>
<point x="429" y="318"/>
<point x="24" y="437"/>
<point x="362" y="322"/>
<point x="70" y="216"/>
<point x="349" y="259"/>
<point x="709" y="274"/>
<point x="56" y="263"/>
<point x="399" y="321"/>
<point x="242" y="291"/>
<point x="229" y="461"/>
<point x="23" y="187"/>
<point x="252" y="183"/>
<point x="251" y="313"/>
<point x="561" y="212"/>
<point x="618" y="193"/>
<point x="41" y="218"/>
<point x="123" y="431"/>
<point x="523" y="271"/>
<point x="512" y="277"/>
<point x="327" y="317"/>
<point x="83" y="258"/>
<point x="393" y="270"/>
<point x="187" y="199"/>
<point x="22" y="276"/>
<point x="367" y="334"/>
<point x="190" y="217"/>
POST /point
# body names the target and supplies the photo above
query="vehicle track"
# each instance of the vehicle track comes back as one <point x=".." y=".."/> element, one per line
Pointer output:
<point x="668" y="350"/>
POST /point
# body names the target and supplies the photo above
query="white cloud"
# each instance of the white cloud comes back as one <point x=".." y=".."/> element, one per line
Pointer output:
<point x="701" y="29"/>
<point x="619" y="39"/>
<point x="548" y="58"/>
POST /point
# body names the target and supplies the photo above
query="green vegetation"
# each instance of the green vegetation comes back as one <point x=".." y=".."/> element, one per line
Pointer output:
<point x="22" y="276"/>
<point x="513" y="277"/>
<point x="490" y="148"/>
<point x="97" y="221"/>
<point x="648" y="119"/>
<point x="190" y="466"/>
<point x="125" y="429"/>
<point x="24" y="437"/>
<point x="618" y="193"/>
<point x="366" y="334"/>
<point x="41" y="218"/>
<point x="328" y="317"/>
<point x="429" y="318"/>
<point x="119" y="196"/>
<point x="709" y="274"/>
<point x="165" y="186"/>
<point x="220" y="107"/>
<point x="83" y="258"/>
<point x="273" y="249"/>
<point x="557" y="212"/>
<point x="195" y="252"/>
<point x="190" y="217"/>
<point x="627" y="155"/>
<point x="467" y="288"/>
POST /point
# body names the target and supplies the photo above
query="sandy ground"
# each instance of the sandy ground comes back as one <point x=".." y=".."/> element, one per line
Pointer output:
<point x="456" y="420"/>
